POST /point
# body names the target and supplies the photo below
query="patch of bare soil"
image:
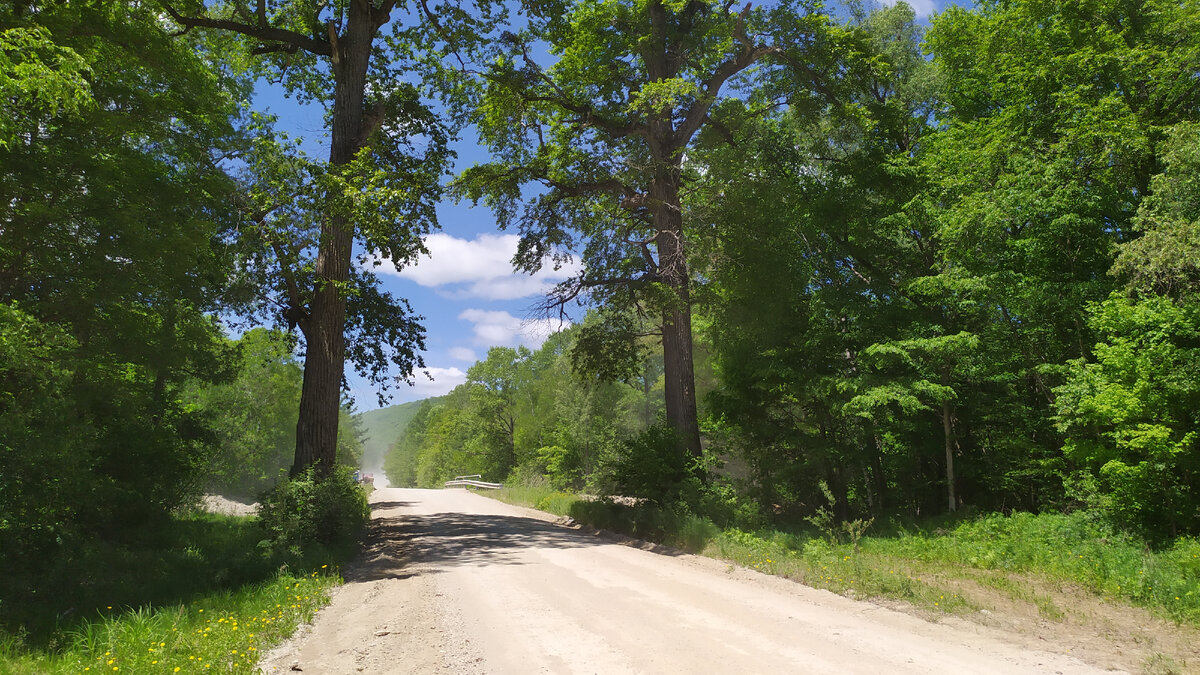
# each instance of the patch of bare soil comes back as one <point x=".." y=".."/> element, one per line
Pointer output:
<point x="1072" y="619"/>
<point x="226" y="506"/>
<point x="387" y="618"/>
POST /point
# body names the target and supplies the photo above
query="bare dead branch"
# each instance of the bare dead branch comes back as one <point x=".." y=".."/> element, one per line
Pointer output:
<point x="267" y="34"/>
<point x="334" y="55"/>
<point x="647" y="255"/>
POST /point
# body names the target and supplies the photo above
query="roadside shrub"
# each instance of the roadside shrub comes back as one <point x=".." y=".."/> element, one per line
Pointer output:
<point x="694" y="532"/>
<point x="643" y="521"/>
<point x="648" y="466"/>
<point x="558" y="503"/>
<point x="561" y="466"/>
<point x="673" y="526"/>
<point x="43" y="444"/>
<point x="720" y="502"/>
<point x="303" y="511"/>
<point x="1128" y="416"/>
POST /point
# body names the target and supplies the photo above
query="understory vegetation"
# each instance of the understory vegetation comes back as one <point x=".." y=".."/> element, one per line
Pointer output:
<point x="87" y="574"/>
<point x="196" y="594"/>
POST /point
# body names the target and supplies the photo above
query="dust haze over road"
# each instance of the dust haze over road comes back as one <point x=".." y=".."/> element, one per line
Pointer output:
<point x="457" y="583"/>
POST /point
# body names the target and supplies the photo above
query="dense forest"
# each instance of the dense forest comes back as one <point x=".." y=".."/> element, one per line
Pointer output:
<point x="828" y="253"/>
<point x="926" y="267"/>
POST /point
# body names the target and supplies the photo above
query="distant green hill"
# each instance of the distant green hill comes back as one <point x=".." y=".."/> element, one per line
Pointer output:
<point x="381" y="428"/>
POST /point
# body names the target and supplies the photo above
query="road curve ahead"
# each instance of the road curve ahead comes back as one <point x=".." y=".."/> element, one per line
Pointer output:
<point x="457" y="583"/>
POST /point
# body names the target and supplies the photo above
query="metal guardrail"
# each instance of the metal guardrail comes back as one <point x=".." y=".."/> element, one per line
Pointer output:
<point x="466" y="480"/>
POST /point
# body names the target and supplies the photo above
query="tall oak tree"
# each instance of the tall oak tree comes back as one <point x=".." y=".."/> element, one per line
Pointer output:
<point x="601" y="135"/>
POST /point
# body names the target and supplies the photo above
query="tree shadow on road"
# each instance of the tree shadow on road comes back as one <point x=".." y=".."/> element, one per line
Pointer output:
<point x="392" y="504"/>
<point x="402" y="546"/>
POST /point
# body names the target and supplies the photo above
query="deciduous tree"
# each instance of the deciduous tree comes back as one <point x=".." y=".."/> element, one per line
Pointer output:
<point x="377" y="189"/>
<point x="591" y="146"/>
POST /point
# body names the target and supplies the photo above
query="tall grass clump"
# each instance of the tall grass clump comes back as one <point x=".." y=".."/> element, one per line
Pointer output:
<point x="537" y="494"/>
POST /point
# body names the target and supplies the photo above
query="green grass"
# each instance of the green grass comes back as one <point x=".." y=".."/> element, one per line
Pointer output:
<point x="196" y="593"/>
<point x="223" y="632"/>
<point x="840" y="568"/>
<point x="1079" y="548"/>
<point x="922" y="565"/>
<point x="540" y="497"/>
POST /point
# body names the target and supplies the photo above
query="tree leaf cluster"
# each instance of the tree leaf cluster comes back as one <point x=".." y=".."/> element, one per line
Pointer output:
<point x="526" y="416"/>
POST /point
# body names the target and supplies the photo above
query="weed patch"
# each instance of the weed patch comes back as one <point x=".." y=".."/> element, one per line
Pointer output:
<point x="221" y="632"/>
<point x="196" y="595"/>
<point x="542" y="497"/>
<point x="1079" y="548"/>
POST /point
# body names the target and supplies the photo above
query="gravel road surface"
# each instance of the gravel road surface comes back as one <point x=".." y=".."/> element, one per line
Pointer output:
<point x="457" y="583"/>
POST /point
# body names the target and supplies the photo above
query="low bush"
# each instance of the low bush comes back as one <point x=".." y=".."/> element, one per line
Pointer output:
<point x="649" y="466"/>
<point x="306" y="511"/>
<point x="558" y="503"/>
<point x="720" y="502"/>
<point x="694" y="533"/>
<point x="674" y="526"/>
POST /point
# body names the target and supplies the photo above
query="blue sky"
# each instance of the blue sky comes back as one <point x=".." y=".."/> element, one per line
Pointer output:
<point x="466" y="290"/>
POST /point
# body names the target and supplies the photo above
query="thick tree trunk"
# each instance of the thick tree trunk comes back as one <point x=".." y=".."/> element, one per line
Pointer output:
<point x="320" y="394"/>
<point x="679" y="377"/>
<point x="948" y="433"/>
<point x="678" y="370"/>
<point x="325" y="358"/>
<point x="878" y="476"/>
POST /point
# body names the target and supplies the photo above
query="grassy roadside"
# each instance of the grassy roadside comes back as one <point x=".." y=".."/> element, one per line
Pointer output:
<point x="928" y="567"/>
<point x="199" y="597"/>
<point x="220" y="632"/>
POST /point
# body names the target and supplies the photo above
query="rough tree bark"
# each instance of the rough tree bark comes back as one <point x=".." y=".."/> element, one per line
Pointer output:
<point x="679" y="380"/>
<point x="325" y="358"/>
<point x="323" y="324"/>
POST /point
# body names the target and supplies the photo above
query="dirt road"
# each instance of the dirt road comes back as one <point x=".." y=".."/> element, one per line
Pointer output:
<point x="457" y="583"/>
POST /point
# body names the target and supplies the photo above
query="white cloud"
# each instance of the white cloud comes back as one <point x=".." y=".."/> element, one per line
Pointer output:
<point x="922" y="8"/>
<point x="463" y="354"/>
<point x="477" y="268"/>
<point x="516" y="285"/>
<point x="496" y="328"/>
<point x="444" y="379"/>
